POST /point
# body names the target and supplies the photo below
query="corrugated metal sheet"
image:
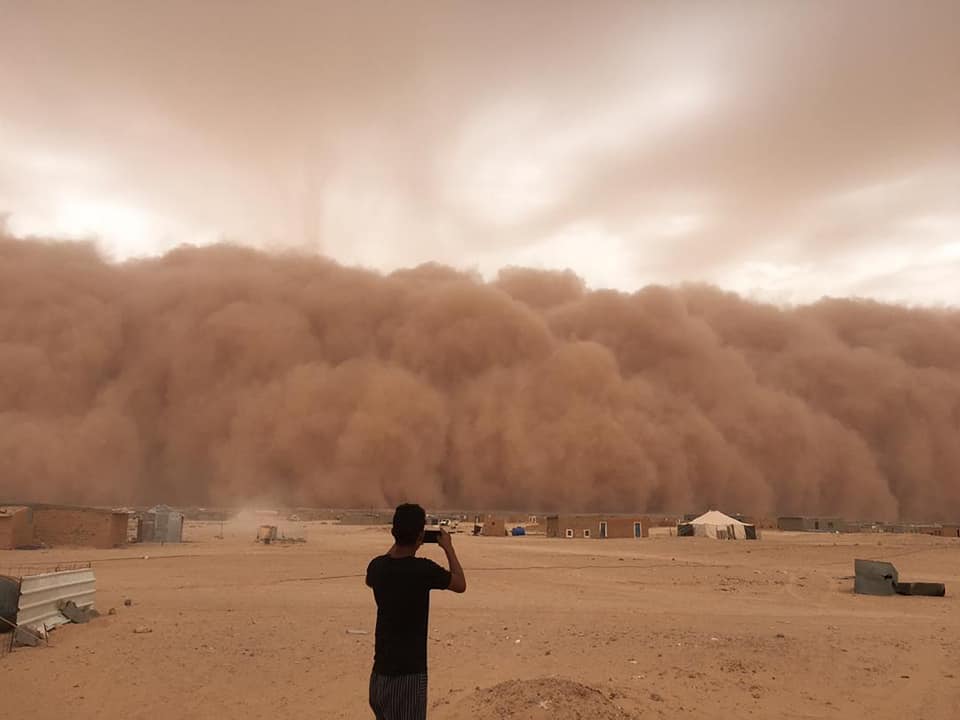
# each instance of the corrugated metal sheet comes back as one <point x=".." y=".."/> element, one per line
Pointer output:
<point x="161" y="524"/>
<point x="41" y="596"/>
<point x="169" y="526"/>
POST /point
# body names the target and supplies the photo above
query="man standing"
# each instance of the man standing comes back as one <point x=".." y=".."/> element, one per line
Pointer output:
<point x="401" y="584"/>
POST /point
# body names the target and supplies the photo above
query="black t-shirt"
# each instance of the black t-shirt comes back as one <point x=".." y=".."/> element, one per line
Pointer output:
<point x="402" y="588"/>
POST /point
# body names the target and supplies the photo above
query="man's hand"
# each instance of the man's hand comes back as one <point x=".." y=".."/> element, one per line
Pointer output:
<point x="445" y="541"/>
<point x="458" y="581"/>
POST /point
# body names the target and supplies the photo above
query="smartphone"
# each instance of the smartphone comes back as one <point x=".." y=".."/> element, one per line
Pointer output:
<point x="431" y="536"/>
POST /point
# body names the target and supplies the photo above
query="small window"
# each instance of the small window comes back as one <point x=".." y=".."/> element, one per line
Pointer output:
<point x="586" y="533"/>
<point x="569" y="532"/>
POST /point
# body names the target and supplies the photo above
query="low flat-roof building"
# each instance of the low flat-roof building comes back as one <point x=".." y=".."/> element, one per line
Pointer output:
<point x="597" y="526"/>
<point x="937" y="529"/>
<point x="80" y="526"/>
<point x="798" y="523"/>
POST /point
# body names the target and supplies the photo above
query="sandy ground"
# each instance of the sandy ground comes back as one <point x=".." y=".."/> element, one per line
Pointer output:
<point x="659" y="627"/>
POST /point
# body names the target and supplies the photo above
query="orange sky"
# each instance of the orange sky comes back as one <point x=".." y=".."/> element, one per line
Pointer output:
<point x="786" y="150"/>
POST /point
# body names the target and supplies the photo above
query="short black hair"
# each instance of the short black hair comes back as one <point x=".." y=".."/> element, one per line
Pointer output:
<point x="409" y="520"/>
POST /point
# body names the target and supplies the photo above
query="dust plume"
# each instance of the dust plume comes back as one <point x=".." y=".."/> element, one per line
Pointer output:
<point x="224" y="375"/>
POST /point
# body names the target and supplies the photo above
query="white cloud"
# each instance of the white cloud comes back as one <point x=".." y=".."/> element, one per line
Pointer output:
<point x="518" y="158"/>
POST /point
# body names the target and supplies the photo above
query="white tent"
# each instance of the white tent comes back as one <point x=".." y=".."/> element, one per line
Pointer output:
<point x="714" y="524"/>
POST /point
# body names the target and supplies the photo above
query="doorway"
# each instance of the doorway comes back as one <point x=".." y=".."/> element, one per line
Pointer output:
<point x="603" y="528"/>
<point x="637" y="530"/>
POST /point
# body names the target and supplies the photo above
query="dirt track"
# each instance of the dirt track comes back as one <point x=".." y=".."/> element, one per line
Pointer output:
<point x="660" y="627"/>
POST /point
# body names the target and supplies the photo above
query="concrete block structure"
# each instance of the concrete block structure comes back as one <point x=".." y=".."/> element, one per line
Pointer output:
<point x="16" y="527"/>
<point x="597" y="526"/>
<point x="494" y="526"/>
<point x="798" y="523"/>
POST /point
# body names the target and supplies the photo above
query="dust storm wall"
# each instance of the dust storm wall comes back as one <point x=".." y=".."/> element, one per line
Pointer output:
<point x="226" y="375"/>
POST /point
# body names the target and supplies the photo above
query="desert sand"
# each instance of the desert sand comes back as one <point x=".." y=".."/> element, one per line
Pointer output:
<point x="657" y="627"/>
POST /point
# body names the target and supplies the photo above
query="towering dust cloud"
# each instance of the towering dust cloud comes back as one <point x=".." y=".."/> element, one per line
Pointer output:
<point x="223" y="375"/>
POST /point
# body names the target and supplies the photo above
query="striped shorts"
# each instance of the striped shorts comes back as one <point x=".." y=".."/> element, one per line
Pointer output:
<point x="398" y="697"/>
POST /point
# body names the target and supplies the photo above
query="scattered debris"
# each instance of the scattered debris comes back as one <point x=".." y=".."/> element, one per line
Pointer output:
<point x="76" y="614"/>
<point x="873" y="577"/>
<point x="928" y="589"/>
<point x="357" y="632"/>
<point x="142" y="630"/>
<point x="27" y="637"/>
<point x="876" y="577"/>
<point x="269" y="534"/>
<point x="112" y="611"/>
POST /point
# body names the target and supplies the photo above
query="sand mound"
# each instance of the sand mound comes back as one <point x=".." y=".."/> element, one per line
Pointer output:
<point x="540" y="699"/>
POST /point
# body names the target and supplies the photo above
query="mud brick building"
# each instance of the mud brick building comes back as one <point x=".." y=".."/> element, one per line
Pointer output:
<point x="597" y="526"/>
<point x="79" y="526"/>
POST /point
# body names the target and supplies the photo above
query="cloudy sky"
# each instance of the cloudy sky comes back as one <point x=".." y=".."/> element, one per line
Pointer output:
<point x="785" y="150"/>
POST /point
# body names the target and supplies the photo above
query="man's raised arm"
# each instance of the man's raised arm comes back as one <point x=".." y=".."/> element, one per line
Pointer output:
<point x="458" y="581"/>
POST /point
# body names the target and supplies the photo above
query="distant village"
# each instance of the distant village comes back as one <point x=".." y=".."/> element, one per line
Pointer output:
<point x="33" y="526"/>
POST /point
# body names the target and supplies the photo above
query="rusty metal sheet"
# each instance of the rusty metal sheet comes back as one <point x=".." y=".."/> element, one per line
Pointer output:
<point x="41" y="596"/>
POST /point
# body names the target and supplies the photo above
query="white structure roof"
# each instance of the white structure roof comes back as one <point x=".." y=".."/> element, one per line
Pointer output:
<point x="715" y="517"/>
